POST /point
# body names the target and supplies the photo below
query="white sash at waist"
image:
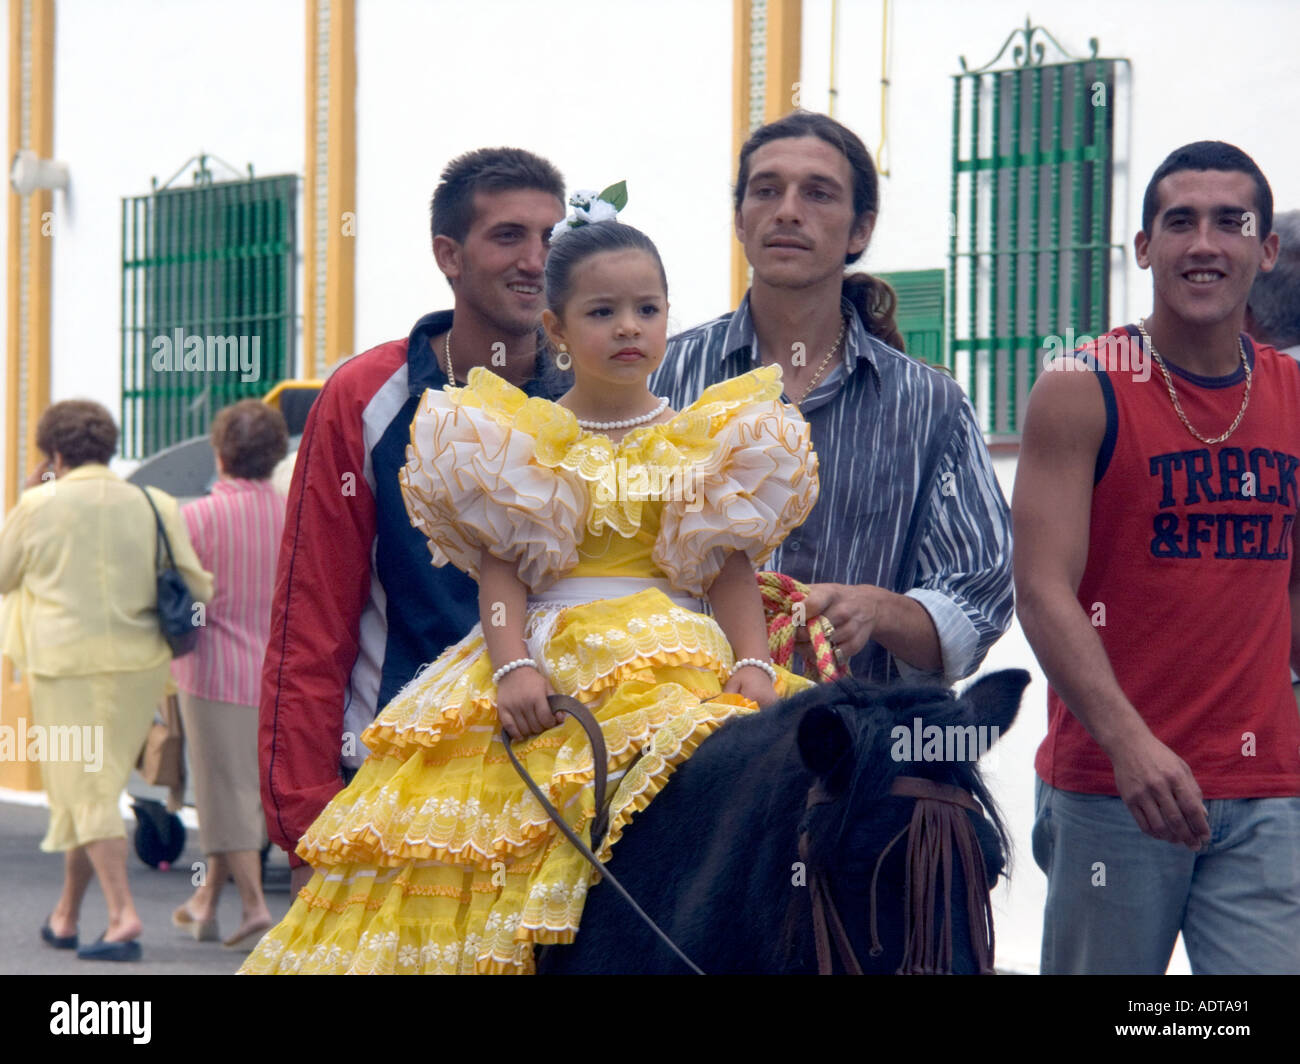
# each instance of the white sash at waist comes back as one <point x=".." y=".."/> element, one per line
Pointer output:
<point x="578" y="590"/>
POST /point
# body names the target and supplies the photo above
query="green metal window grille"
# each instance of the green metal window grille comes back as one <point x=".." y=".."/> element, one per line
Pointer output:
<point x="209" y="312"/>
<point x="919" y="314"/>
<point x="1030" y="250"/>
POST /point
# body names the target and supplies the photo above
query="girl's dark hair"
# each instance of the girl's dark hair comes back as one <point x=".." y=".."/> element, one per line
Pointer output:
<point x="873" y="298"/>
<point x="80" y="430"/>
<point x="579" y="244"/>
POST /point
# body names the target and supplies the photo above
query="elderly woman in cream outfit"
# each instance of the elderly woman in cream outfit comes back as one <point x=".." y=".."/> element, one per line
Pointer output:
<point x="77" y="566"/>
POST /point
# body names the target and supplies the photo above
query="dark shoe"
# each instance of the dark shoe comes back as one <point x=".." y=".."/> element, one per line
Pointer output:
<point x="57" y="941"/>
<point x="110" y="951"/>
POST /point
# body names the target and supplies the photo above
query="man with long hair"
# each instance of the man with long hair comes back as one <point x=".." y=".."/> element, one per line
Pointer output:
<point x="358" y="606"/>
<point x="908" y="550"/>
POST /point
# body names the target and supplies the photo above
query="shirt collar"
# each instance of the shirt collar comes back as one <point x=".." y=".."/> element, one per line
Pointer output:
<point x="859" y="346"/>
<point x="90" y="471"/>
<point x="234" y="484"/>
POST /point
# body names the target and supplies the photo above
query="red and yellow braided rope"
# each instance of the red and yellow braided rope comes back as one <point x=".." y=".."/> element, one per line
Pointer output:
<point x="780" y="595"/>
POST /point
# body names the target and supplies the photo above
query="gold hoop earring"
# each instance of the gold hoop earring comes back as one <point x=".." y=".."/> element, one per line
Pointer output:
<point x="562" y="359"/>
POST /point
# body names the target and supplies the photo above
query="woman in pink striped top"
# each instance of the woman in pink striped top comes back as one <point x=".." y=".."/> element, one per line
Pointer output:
<point x="236" y="534"/>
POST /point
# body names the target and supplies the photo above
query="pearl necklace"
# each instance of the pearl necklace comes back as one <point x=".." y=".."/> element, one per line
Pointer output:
<point x="626" y="423"/>
<point x="1178" y="408"/>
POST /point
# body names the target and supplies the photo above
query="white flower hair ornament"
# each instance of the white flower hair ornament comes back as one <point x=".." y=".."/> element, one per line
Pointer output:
<point x="591" y="207"/>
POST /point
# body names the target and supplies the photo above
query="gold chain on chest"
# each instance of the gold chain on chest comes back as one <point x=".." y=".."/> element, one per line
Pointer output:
<point x="1173" y="395"/>
<point x="825" y="362"/>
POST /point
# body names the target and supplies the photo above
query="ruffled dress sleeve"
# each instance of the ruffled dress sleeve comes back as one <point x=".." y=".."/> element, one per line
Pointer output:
<point x="482" y="472"/>
<point x="755" y="483"/>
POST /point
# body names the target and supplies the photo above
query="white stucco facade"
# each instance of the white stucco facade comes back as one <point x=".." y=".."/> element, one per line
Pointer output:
<point x="628" y="90"/>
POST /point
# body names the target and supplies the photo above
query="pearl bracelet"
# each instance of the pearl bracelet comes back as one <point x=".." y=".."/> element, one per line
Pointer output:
<point x="766" y="666"/>
<point x="510" y="666"/>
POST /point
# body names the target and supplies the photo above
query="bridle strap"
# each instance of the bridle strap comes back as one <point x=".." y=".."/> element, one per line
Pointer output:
<point x="843" y="944"/>
<point x="935" y="828"/>
<point x="876" y="948"/>
<point x="828" y="927"/>
<point x="918" y="787"/>
<point x="600" y="756"/>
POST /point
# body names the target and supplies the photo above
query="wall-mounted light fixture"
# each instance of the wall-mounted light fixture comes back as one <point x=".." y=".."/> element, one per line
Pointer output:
<point x="28" y="173"/>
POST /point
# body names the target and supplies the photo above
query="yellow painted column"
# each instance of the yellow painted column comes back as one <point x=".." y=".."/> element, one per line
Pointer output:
<point x="768" y="36"/>
<point x="28" y="257"/>
<point x="784" y="43"/>
<point x="740" y="130"/>
<point x="330" y="187"/>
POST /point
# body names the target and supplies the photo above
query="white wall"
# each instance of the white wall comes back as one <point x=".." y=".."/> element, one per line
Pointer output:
<point x="140" y="87"/>
<point x="620" y="90"/>
<point x="628" y="90"/>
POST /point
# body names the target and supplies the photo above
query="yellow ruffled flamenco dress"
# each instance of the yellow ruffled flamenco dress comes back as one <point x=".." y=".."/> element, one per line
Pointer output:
<point x="436" y="858"/>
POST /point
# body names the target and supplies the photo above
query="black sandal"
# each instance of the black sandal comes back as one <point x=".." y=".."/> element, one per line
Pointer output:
<point x="110" y="951"/>
<point x="57" y="941"/>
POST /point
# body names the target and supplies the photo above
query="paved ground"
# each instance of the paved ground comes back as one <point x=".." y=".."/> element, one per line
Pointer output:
<point x="29" y="886"/>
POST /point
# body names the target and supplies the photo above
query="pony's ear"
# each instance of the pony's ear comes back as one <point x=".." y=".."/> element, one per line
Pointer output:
<point x="995" y="699"/>
<point x="826" y="746"/>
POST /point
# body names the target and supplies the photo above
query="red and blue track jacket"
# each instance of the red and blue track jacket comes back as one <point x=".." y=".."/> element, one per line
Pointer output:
<point x="358" y="605"/>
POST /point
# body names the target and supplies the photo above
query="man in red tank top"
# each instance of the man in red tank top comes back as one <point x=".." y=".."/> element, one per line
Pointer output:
<point x="1156" y="576"/>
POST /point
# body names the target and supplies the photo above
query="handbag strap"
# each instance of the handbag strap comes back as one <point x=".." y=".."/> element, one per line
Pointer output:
<point x="162" y="532"/>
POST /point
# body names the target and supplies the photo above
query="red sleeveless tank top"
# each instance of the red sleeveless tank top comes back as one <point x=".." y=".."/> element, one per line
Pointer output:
<point x="1186" y="582"/>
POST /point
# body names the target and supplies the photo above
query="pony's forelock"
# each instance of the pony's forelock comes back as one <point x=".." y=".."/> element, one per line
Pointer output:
<point x="871" y="712"/>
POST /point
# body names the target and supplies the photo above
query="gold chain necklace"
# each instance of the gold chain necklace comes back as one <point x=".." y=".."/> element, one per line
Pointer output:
<point x="825" y="362"/>
<point x="1178" y="408"/>
<point x="446" y="350"/>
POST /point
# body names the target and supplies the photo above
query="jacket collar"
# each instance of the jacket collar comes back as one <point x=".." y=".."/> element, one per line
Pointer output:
<point x="90" y="471"/>
<point x="424" y="366"/>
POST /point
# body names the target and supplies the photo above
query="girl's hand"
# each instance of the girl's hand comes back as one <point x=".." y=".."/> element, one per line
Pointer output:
<point x="754" y="684"/>
<point x="522" y="705"/>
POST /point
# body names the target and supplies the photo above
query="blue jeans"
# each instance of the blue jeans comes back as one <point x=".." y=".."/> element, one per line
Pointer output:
<point x="1117" y="898"/>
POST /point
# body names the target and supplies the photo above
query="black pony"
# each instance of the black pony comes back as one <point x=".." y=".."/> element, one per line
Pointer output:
<point x="716" y="859"/>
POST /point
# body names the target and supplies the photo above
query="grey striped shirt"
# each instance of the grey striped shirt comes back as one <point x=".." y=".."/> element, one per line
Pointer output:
<point x="909" y="501"/>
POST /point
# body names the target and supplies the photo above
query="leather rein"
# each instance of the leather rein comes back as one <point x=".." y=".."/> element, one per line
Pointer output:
<point x="938" y="824"/>
<point x="600" y="759"/>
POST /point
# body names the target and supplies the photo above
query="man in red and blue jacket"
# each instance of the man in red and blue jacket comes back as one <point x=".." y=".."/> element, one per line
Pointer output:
<point x="358" y="606"/>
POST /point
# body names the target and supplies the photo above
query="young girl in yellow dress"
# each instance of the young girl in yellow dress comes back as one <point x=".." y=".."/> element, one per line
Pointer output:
<point x="593" y="526"/>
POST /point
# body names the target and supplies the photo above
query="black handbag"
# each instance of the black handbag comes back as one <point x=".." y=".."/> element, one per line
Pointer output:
<point x="175" y="603"/>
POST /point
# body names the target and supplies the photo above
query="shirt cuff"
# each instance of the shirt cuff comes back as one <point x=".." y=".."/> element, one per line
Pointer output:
<point x="958" y="638"/>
